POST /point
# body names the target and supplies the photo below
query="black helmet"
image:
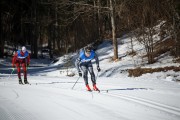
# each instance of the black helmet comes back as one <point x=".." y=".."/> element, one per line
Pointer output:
<point x="87" y="49"/>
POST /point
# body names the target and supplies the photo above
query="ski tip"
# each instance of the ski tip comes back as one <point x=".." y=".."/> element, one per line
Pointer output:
<point x="97" y="91"/>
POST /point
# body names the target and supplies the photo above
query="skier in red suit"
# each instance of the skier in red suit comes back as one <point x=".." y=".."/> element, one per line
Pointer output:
<point x="21" y="59"/>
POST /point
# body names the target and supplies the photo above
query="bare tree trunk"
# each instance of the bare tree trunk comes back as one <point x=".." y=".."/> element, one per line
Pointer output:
<point x="176" y="29"/>
<point x="132" y="49"/>
<point x="56" y="28"/>
<point x="113" y="31"/>
<point x="99" y="21"/>
<point x="49" y="35"/>
<point x="1" y="40"/>
<point x="35" y="38"/>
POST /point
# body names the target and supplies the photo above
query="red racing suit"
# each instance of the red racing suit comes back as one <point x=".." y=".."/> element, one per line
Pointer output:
<point x="21" y="59"/>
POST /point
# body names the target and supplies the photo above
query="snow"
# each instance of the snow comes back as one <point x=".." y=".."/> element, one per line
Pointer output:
<point x="51" y="97"/>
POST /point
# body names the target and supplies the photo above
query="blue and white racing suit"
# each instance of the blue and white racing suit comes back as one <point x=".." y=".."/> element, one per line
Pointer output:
<point x="84" y="63"/>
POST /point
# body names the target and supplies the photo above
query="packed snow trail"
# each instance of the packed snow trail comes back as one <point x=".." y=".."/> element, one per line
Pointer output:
<point x="51" y="98"/>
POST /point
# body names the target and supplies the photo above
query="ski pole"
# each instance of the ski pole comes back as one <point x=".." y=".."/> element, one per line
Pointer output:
<point x="27" y="66"/>
<point x="75" y="82"/>
<point x="97" y="75"/>
<point x="11" y="73"/>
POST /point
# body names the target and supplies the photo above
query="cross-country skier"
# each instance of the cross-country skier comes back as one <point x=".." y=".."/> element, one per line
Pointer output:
<point x="21" y="59"/>
<point x="83" y="62"/>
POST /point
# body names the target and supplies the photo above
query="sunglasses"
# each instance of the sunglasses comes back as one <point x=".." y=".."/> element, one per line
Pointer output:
<point x="88" y="52"/>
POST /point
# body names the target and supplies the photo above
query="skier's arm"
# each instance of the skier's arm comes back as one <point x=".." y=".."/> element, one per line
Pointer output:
<point x="96" y="59"/>
<point x="97" y="62"/>
<point x="28" y="60"/>
<point x="14" y="59"/>
<point x="77" y="62"/>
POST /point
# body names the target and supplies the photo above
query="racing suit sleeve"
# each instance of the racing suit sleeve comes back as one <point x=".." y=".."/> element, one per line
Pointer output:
<point x="14" y="59"/>
<point x="28" y="59"/>
<point x="77" y="64"/>
<point x="96" y="59"/>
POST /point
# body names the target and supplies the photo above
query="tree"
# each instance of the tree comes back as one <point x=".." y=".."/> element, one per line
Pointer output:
<point x="1" y="40"/>
<point x="175" y="6"/>
<point x="113" y="31"/>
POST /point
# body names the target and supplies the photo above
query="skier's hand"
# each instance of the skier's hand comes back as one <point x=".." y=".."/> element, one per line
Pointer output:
<point x="98" y="68"/>
<point x="28" y="65"/>
<point x="80" y="74"/>
<point x="13" y="68"/>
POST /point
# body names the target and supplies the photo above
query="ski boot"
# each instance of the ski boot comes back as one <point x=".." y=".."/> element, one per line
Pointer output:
<point x="20" y="81"/>
<point x="88" y="88"/>
<point x="25" y="81"/>
<point x="95" y="88"/>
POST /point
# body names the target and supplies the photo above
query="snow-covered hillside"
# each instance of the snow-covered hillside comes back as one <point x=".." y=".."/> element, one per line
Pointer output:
<point x="51" y="97"/>
<point x="119" y="68"/>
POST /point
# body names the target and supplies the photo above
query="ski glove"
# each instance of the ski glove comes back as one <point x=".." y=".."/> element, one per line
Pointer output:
<point x="13" y="68"/>
<point x="98" y="68"/>
<point x="80" y="74"/>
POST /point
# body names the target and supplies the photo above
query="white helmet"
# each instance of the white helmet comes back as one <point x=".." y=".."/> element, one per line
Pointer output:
<point x="23" y="49"/>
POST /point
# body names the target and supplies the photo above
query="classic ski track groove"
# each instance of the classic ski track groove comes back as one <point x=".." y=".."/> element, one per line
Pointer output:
<point x="146" y="102"/>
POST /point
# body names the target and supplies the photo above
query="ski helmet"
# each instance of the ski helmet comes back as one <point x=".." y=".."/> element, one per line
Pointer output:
<point x="87" y="49"/>
<point x="23" y="49"/>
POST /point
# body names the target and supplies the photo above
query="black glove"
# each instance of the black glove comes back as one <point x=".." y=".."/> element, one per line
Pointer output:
<point x="80" y="74"/>
<point x="98" y="68"/>
<point x="27" y="65"/>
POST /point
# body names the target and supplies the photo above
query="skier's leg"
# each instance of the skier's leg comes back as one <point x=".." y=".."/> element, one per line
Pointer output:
<point x="25" y="73"/>
<point x="93" y="79"/>
<point x="85" y="76"/>
<point x="19" y="72"/>
<point x="91" y="71"/>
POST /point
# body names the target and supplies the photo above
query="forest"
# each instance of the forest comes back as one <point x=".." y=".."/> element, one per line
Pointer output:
<point x="64" y="26"/>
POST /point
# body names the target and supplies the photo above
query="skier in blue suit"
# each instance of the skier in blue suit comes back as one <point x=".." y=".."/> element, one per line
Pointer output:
<point x="83" y="62"/>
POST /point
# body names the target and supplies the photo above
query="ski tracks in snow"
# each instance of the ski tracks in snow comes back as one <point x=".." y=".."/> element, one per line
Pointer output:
<point x="146" y="102"/>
